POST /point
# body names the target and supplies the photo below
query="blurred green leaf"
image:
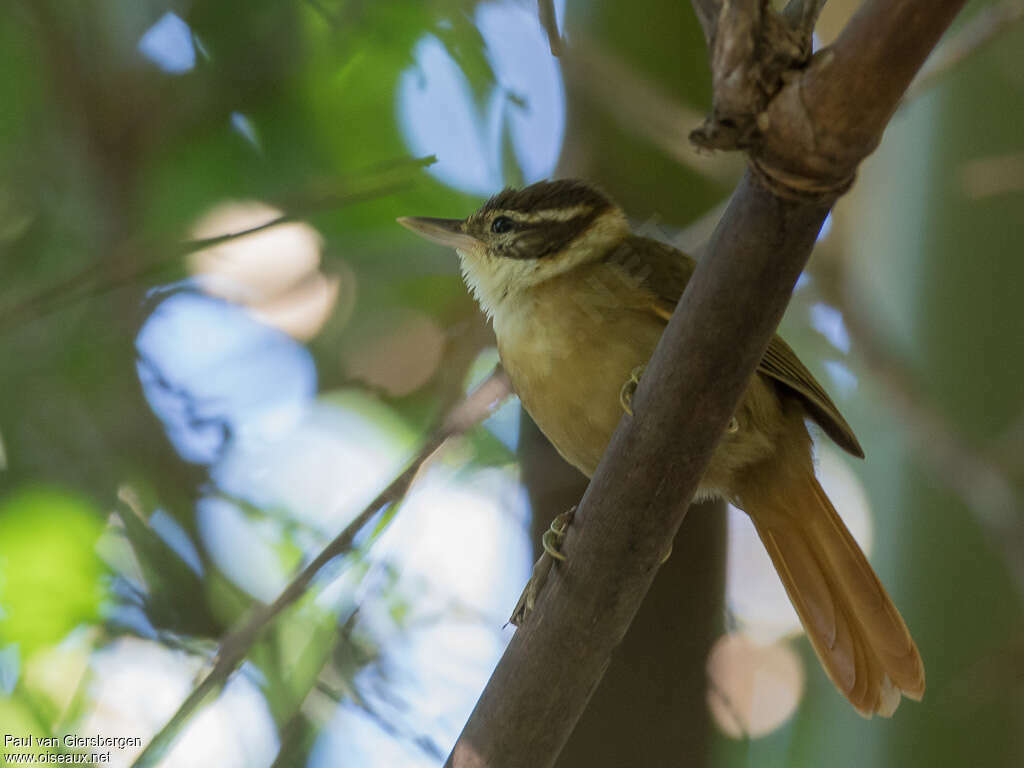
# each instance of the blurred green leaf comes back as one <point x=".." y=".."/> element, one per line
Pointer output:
<point x="51" y="575"/>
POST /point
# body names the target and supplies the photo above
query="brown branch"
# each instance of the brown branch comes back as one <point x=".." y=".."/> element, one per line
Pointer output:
<point x="752" y="48"/>
<point x="546" y="13"/>
<point x="717" y="335"/>
<point x="824" y="122"/>
<point x="784" y="107"/>
<point x="638" y="497"/>
<point x="707" y="14"/>
<point x="236" y="644"/>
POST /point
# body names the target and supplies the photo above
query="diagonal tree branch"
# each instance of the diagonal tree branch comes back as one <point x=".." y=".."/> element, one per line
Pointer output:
<point x="824" y="122"/>
<point x="833" y="111"/>
<point x="707" y="14"/>
<point x="152" y="260"/>
<point x="234" y="647"/>
<point x="640" y="107"/>
<point x="546" y="13"/>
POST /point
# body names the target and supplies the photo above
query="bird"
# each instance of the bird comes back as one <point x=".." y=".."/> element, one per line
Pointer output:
<point x="578" y="302"/>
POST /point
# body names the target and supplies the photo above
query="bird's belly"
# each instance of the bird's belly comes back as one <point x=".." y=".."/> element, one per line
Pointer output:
<point x="570" y="385"/>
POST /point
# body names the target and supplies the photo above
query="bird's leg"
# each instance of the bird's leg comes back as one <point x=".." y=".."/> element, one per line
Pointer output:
<point x="626" y="393"/>
<point x="552" y="542"/>
<point x="626" y="400"/>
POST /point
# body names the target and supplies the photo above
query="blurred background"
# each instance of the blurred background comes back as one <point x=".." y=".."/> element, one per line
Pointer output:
<point x="216" y="347"/>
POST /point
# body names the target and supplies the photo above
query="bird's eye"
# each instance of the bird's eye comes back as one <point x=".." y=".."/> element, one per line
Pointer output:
<point x="501" y="224"/>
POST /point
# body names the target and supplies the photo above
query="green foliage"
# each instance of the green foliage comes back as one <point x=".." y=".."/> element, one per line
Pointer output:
<point x="50" y="573"/>
<point x="106" y="161"/>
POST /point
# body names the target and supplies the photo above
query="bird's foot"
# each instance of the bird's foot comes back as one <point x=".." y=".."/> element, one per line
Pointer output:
<point x="552" y="543"/>
<point x="626" y="393"/>
<point x="626" y="400"/>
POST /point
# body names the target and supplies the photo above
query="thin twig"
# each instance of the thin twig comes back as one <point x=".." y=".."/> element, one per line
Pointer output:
<point x="546" y="12"/>
<point x="292" y="733"/>
<point x="641" y="108"/>
<point x="402" y="732"/>
<point x="236" y="644"/>
<point x="88" y="283"/>
<point x="803" y="14"/>
<point x="707" y="14"/>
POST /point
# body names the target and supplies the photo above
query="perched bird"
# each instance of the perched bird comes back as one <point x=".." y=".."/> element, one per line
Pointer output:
<point x="578" y="304"/>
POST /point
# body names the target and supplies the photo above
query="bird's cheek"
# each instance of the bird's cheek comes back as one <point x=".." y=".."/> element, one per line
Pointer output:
<point x="474" y="254"/>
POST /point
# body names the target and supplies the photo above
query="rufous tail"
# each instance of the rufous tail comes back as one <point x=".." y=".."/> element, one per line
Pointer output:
<point x="858" y="634"/>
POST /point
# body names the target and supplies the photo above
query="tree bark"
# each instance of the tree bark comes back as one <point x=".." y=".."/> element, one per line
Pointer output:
<point x="650" y="708"/>
<point x="836" y="106"/>
<point x="659" y="673"/>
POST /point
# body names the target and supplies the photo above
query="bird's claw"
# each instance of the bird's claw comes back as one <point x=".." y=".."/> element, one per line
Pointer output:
<point x="551" y="541"/>
<point x="555" y="534"/>
<point x="626" y="393"/>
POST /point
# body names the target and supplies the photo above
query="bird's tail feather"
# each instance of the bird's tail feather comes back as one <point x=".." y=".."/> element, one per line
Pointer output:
<point x="855" y="629"/>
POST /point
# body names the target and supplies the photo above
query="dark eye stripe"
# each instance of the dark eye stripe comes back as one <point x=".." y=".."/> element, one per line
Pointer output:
<point x="543" y="239"/>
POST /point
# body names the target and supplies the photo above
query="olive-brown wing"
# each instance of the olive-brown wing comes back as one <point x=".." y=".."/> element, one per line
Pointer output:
<point x="663" y="272"/>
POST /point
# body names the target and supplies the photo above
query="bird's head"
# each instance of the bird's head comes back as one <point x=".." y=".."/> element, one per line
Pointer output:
<point x="521" y="238"/>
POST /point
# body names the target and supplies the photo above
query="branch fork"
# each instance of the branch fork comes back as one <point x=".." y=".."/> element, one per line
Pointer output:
<point x="806" y="122"/>
<point x="762" y="65"/>
<point x="754" y="52"/>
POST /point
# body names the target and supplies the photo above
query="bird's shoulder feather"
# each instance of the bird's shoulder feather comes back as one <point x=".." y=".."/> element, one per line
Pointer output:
<point x="662" y="272"/>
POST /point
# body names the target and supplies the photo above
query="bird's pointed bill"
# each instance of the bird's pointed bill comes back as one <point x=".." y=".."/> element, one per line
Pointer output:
<point x="442" y="231"/>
